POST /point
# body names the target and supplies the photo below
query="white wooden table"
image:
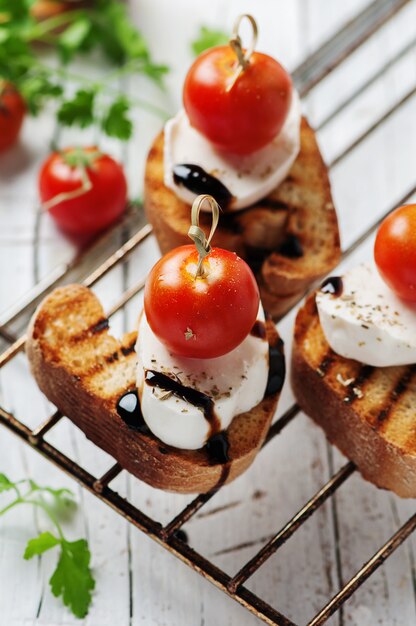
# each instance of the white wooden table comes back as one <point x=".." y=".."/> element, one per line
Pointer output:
<point x="138" y="583"/>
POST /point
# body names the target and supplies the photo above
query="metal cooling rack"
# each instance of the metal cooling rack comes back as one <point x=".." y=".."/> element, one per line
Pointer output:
<point x="306" y="76"/>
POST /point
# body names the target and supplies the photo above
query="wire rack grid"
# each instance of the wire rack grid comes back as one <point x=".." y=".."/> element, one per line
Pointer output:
<point x="306" y="77"/>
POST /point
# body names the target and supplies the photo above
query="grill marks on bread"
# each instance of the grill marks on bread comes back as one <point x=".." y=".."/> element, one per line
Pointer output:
<point x="76" y="333"/>
<point x="384" y="397"/>
<point x="377" y="428"/>
<point x="300" y="206"/>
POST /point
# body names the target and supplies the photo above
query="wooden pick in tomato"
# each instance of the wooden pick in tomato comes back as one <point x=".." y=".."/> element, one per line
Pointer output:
<point x="201" y="302"/>
<point x="395" y="251"/>
<point x="238" y="101"/>
<point x="83" y="189"/>
<point x="12" y="112"/>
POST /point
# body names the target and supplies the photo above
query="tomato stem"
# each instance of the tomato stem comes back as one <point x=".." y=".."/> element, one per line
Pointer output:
<point x="195" y="232"/>
<point x="237" y="46"/>
<point x="80" y="159"/>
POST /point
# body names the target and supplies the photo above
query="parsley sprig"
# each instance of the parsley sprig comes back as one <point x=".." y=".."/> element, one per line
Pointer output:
<point x="72" y="578"/>
<point x="106" y="28"/>
<point x="208" y="38"/>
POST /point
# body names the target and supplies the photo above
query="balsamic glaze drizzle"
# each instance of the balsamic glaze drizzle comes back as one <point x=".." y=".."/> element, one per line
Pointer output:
<point x="332" y="285"/>
<point x="197" y="180"/>
<point x="191" y="395"/>
<point x="277" y="368"/>
<point x="259" y="330"/>
<point x="128" y="408"/>
<point x="217" y="448"/>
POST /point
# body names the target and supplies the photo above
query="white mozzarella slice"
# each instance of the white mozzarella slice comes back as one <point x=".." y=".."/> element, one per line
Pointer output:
<point x="236" y="382"/>
<point x="248" y="178"/>
<point x="367" y="321"/>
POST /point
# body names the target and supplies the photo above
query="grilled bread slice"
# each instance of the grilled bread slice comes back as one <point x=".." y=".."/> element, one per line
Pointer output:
<point x="84" y="371"/>
<point x="290" y="238"/>
<point x="367" y="412"/>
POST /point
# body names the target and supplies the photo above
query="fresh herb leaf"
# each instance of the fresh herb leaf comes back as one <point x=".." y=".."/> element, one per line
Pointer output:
<point x="79" y="110"/>
<point x="37" y="89"/>
<point x="5" y="483"/>
<point x="40" y="544"/>
<point x="208" y="38"/>
<point x="116" y="123"/>
<point x="72" y="578"/>
<point x="155" y="72"/>
<point x="104" y="25"/>
<point x="16" y="10"/>
<point x="74" y="38"/>
<point x="119" y="39"/>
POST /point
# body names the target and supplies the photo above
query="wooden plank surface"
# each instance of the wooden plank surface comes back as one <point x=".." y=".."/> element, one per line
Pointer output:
<point x="138" y="583"/>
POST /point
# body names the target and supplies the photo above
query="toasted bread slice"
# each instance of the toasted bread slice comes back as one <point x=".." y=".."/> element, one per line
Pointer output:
<point x="300" y="206"/>
<point x="367" y="412"/>
<point x="84" y="371"/>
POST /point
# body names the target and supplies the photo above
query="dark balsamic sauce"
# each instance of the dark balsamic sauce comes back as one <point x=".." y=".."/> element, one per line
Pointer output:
<point x="193" y="396"/>
<point x="128" y="408"/>
<point x="291" y="247"/>
<point x="259" y="330"/>
<point x="277" y="368"/>
<point x="217" y="448"/>
<point x="332" y="285"/>
<point x="197" y="180"/>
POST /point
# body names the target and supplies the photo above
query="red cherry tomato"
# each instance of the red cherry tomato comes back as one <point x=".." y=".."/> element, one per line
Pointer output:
<point x="202" y="317"/>
<point x="94" y="209"/>
<point x="12" y="112"/>
<point x="250" y="114"/>
<point x="395" y="251"/>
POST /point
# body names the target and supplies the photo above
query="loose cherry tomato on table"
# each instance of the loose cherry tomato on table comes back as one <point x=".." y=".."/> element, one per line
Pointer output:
<point x="12" y="112"/>
<point x="201" y="315"/>
<point x="395" y="251"/>
<point x="243" y="112"/>
<point x="83" y="189"/>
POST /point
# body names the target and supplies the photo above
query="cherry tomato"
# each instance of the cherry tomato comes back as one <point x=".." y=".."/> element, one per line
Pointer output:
<point x="246" y="117"/>
<point x="12" y="112"/>
<point x="202" y="317"/>
<point x="395" y="251"/>
<point x="96" y="208"/>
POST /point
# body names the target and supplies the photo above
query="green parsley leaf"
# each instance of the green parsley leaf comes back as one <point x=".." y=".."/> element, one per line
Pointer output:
<point x="123" y="42"/>
<point x="74" y="38"/>
<point x="155" y="72"/>
<point x="79" y="110"/>
<point x="5" y="483"/>
<point x="208" y="38"/>
<point x="16" y="10"/>
<point x="116" y="123"/>
<point x="40" y="544"/>
<point x="72" y="578"/>
<point x="36" y="89"/>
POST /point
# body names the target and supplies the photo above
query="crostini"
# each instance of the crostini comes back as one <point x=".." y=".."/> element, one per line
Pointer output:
<point x="354" y="358"/>
<point x="241" y="137"/>
<point x="186" y="403"/>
